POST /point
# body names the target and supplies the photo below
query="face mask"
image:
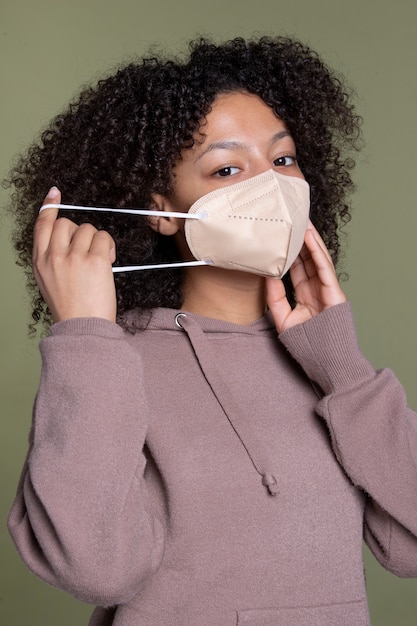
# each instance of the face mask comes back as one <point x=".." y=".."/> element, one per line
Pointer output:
<point x="255" y="226"/>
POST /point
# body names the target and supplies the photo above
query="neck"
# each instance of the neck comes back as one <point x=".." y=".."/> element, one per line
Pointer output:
<point x="226" y="295"/>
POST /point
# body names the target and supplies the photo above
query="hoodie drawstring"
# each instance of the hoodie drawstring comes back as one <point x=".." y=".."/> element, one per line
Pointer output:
<point x="221" y="391"/>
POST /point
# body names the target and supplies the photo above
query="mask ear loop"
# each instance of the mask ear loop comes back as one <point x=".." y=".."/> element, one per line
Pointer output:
<point x="145" y="212"/>
<point x="196" y="216"/>
<point x="160" y="266"/>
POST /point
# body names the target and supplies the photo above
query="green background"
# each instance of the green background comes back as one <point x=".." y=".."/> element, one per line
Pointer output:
<point x="49" y="48"/>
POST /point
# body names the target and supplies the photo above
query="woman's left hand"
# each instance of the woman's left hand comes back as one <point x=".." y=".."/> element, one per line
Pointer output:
<point x="315" y="284"/>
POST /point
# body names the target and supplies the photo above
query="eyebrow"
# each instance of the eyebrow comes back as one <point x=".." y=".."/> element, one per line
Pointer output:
<point x="237" y="145"/>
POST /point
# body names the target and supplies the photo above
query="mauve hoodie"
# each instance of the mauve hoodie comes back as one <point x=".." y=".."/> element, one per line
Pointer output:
<point x="202" y="473"/>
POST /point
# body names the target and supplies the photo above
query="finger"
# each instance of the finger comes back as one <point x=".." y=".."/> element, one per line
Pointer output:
<point x="45" y="223"/>
<point x="319" y="240"/>
<point x="303" y="267"/>
<point x="82" y="238"/>
<point x="52" y="197"/>
<point x="62" y="235"/>
<point x="103" y="244"/>
<point x="313" y="263"/>
<point x="277" y="302"/>
<point x="317" y="257"/>
<point x="330" y="291"/>
<point x="88" y="240"/>
<point x="313" y="258"/>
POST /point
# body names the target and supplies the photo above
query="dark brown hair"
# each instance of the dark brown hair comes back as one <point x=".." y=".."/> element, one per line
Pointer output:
<point x="117" y="143"/>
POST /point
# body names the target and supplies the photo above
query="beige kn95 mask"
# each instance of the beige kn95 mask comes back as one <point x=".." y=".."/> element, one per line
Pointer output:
<point x="256" y="225"/>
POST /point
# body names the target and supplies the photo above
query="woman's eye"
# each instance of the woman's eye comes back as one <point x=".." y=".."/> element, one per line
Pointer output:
<point x="285" y="161"/>
<point x="228" y="170"/>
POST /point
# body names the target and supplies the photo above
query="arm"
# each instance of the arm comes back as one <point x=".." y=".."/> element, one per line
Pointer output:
<point x="81" y="519"/>
<point x="373" y="432"/>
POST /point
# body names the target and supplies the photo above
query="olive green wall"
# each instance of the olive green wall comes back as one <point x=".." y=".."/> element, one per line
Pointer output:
<point x="49" y="47"/>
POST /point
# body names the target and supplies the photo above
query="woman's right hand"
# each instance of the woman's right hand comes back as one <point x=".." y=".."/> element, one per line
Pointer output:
<point x="73" y="266"/>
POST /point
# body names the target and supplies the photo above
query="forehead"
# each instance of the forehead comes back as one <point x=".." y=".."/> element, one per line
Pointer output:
<point x="236" y="117"/>
<point x="240" y="111"/>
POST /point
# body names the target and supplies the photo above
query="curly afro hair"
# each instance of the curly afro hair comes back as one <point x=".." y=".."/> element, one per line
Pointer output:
<point x="116" y="145"/>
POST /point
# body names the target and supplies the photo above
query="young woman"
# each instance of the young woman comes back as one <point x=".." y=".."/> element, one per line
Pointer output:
<point x="209" y="444"/>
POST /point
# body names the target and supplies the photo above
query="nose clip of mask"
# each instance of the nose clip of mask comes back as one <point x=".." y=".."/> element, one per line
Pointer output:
<point x="256" y="225"/>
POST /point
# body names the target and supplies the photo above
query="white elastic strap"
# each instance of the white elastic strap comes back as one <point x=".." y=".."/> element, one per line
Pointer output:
<point x="185" y="216"/>
<point x="161" y="266"/>
<point x="132" y="268"/>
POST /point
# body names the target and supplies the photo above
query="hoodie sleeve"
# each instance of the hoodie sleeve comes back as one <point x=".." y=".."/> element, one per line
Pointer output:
<point x="81" y="519"/>
<point x="373" y="432"/>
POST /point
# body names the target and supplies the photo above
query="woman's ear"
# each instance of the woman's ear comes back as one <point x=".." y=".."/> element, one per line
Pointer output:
<point x="163" y="225"/>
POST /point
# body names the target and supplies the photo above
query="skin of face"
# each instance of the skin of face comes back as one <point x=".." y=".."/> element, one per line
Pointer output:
<point x="242" y="137"/>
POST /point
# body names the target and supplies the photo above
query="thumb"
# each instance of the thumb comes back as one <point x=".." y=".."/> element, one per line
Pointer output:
<point x="277" y="302"/>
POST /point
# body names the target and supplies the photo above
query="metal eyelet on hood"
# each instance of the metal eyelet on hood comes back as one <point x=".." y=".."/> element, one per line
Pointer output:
<point x="178" y="315"/>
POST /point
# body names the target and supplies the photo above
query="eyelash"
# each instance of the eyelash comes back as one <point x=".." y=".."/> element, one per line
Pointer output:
<point x="226" y="171"/>
<point x="284" y="158"/>
<point x="281" y="161"/>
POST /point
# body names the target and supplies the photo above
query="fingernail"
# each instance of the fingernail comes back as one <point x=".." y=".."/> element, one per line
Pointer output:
<point x="53" y="191"/>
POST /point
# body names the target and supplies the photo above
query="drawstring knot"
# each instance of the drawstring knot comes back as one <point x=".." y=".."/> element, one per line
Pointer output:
<point x="269" y="481"/>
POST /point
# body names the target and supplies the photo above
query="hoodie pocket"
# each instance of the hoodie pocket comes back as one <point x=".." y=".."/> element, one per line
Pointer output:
<point x="345" y="614"/>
